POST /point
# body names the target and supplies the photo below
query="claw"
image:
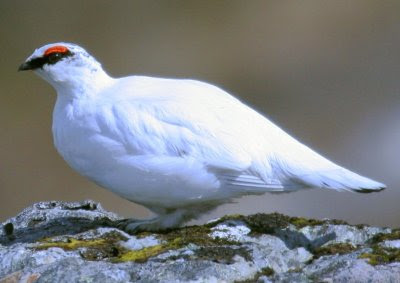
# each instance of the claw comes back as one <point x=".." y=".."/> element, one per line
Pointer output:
<point x="133" y="226"/>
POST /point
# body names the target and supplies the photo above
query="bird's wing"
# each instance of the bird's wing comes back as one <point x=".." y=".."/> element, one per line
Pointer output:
<point x="169" y="130"/>
<point x="190" y="119"/>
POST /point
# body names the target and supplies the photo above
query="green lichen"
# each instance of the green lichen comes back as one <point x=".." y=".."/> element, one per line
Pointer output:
<point x="107" y="246"/>
<point x="70" y="244"/>
<point x="214" y="249"/>
<point x="301" y="222"/>
<point x="224" y="254"/>
<point x="144" y="254"/>
<point x="380" y="237"/>
<point x="198" y="235"/>
<point x="332" y="249"/>
<point x="266" y="271"/>
<point x="261" y="223"/>
<point x="381" y="255"/>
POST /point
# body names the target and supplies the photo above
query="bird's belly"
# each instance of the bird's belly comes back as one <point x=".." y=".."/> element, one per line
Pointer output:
<point x="150" y="180"/>
<point x="131" y="178"/>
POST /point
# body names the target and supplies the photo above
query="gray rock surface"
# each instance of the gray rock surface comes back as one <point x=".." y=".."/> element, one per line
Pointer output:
<point x="80" y="242"/>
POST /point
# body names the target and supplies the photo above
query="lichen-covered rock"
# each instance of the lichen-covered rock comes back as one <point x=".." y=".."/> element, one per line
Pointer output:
<point x="81" y="242"/>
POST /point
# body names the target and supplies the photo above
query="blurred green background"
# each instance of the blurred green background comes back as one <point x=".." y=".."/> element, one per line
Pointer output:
<point x="326" y="71"/>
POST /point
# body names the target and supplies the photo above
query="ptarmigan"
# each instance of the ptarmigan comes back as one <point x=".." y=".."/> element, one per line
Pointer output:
<point x="178" y="147"/>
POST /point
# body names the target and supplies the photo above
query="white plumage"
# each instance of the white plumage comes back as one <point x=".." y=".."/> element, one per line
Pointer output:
<point x="178" y="147"/>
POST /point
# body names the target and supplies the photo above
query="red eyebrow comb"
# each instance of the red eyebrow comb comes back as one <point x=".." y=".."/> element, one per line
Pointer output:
<point x="56" y="49"/>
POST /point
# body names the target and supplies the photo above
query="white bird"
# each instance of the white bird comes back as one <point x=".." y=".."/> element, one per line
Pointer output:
<point x="178" y="147"/>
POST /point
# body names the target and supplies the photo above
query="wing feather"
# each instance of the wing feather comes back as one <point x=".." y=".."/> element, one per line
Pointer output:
<point x="185" y="118"/>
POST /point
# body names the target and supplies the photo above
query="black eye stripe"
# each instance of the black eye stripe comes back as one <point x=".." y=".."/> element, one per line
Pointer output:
<point x="50" y="59"/>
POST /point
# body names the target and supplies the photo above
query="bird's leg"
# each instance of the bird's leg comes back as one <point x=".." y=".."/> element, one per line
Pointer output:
<point x="133" y="226"/>
<point x="168" y="220"/>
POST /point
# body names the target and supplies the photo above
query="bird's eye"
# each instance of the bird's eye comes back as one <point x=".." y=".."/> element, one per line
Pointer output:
<point x="54" y="57"/>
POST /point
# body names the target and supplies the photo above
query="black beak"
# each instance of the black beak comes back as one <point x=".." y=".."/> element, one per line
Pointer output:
<point x="39" y="62"/>
<point x="25" y="66"/>
<point x="33" y="64"/>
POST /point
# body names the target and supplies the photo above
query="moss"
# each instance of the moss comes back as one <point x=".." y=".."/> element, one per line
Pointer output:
<point x="224" y="254"/>
<point x="378" y="238"/>
<point x="214" y="249"/>
<point x="266" y="271"/>
<point x="381" y="255"/>
<point x="268" y="223"/>
<point x="71" y="244"/>
<point x="144" y="254"/>
<point x="198" y="235"/>
<point x="108" y="247"/>
<point x="301" y="222"/>
<point x="361" y="226"/>
<point x="258" y="223"/>
<point x="332" y="249"/>
<point x="91" y="249"/>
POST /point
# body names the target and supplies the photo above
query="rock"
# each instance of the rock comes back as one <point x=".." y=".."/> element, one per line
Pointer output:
<point x="80" y="242"/>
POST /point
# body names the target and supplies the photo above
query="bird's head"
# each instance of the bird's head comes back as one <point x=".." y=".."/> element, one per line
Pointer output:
<point x="65" y="66"/>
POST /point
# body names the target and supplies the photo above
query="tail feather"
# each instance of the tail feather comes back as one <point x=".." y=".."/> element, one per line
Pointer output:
<point x="342" y="180"/>
<point x="308" y="168"/>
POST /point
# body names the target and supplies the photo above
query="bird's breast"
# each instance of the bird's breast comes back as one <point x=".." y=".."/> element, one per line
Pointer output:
<point x="80" y="139"/>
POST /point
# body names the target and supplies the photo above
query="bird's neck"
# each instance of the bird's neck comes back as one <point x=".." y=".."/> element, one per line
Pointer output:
<point x="83" y="84"/>
<point x="76" y="82"/>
